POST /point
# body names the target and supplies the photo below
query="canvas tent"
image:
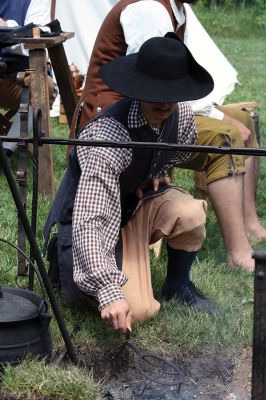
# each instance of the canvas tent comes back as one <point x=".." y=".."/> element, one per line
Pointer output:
<point x="84" y="17"/>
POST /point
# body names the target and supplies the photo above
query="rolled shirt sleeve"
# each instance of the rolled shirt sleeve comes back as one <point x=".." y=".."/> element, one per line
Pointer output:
<point x="205" y="108"/>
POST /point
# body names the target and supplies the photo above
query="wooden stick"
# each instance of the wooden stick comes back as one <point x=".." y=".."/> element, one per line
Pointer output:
<point x="36" y="33"/>
<point x="243" y="104"/>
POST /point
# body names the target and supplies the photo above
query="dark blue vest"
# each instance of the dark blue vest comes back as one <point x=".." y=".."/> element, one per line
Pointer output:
<point x="16" y="10"/>
<point x="145" y="164"/>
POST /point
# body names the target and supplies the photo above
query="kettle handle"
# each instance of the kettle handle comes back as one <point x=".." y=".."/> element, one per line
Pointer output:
<point x="31" y="263"/>
<point x="45" y="321"/>
<point x="43" y="307"/>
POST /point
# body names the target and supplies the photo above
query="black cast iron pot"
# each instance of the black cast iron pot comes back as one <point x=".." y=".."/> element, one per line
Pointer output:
<point x="24" y="325"/>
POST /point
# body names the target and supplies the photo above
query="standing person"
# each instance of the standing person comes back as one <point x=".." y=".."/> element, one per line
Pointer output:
<point x="230" y="178"/>
<point x="100" y="187"/>
<point x="16" y="58"/>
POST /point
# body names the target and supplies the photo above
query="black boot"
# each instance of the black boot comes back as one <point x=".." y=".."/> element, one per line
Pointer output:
<point x="179" y="286"/>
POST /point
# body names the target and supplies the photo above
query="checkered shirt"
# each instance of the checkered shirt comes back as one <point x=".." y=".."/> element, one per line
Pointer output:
<point x="97" y="208"/>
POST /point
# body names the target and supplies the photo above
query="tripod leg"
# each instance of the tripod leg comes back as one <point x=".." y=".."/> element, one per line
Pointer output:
<point x="37" y="255"/>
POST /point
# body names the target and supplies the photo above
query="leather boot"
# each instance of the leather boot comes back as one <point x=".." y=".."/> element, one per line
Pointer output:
<point x="178" y="285"/>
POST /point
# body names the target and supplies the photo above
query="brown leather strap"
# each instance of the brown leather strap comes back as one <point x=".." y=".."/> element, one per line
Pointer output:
<point x="53" y="6"/>
<point x="180" y="32"/>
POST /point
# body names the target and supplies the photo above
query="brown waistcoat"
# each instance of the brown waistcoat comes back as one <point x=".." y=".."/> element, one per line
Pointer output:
<point x="110" y="44"/>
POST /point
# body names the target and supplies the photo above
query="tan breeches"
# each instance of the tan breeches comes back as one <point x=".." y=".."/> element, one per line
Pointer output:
<point x="174" y="215"/>
<point x="214" y="132"/>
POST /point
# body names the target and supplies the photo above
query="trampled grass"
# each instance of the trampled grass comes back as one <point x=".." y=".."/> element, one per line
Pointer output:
<point x="176" y="330"/>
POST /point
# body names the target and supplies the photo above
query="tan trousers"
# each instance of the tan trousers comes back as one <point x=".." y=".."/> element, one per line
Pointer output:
<point x="174" y="215"/>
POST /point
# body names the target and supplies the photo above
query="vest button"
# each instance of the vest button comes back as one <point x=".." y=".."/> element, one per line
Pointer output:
<point x="98" y="109"/>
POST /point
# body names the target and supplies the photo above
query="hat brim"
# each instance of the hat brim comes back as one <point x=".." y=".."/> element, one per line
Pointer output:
<point x="122" y="76"/>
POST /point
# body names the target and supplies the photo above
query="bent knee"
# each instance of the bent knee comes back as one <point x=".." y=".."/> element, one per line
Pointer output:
<point x="188" y="230"/>
<point x="191" y="213"/>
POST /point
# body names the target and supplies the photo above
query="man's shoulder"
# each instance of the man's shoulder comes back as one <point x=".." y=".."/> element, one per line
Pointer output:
<point x="185" y="110"/>
<point x="152" y="6"/>
<point x="185" y="107"/>
<point x="104" y="128"/>
<point x="186" y="116"/>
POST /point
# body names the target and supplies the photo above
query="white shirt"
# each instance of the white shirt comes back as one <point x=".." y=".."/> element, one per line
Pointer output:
<point x="38" y="13"/>
<point x="148" y="18"/>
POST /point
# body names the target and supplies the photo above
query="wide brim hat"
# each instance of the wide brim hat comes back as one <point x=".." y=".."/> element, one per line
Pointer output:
<point x="163" y="71"/>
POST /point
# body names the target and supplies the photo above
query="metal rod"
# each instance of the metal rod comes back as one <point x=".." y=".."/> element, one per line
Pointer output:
<point x="259" y="328"/>
<point x="23" y="112"/>
<point x="63" y="353"/>
<point x="150" y="145"/>
<point x="37" y="119"/>
<point x="37" y="254"/>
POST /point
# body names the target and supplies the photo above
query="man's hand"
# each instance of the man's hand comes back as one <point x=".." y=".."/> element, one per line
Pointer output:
<point x="155" y="183"/>
<point x="241" y="127"/>
<point x="118" y="315"/>
<point x="2" y="22"/>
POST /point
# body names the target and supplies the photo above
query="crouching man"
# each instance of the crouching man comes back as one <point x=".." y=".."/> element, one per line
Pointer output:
<point x="114" y="202"/>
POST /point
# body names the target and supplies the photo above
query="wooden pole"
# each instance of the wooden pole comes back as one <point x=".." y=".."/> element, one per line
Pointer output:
<point x="40" y="98"/>
<point x="259" y="328"/>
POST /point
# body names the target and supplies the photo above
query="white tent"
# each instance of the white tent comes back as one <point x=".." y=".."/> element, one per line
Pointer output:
<point x="84" y="17"/>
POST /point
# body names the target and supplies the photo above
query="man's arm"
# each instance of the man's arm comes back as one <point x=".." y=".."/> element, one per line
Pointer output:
<point x="205" y="108"/>
<point x="3" y="22"/>
<point x="96" y="225"/>
<point x="245" y="132"/>
<point x="143" y="20"/>
<point x="38" y="13"/>
<point x="202" y="107"/>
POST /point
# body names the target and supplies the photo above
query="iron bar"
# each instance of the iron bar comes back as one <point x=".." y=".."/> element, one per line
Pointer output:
<point x="22" y="170"/>
<point x="259" y="328"/>
<point x="37" y="115"/>
<point x="150" y="145"/>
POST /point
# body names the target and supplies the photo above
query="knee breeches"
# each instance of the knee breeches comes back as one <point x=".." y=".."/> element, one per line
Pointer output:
<point x="213" y="132"/>
<point x="174" y="215"/>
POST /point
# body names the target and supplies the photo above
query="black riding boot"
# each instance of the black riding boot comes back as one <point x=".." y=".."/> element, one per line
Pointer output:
<point x="179" y="286"/>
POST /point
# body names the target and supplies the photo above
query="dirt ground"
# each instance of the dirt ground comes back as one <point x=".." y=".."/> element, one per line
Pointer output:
<point x="240" y="386"/>
<point x="206" y="377"/>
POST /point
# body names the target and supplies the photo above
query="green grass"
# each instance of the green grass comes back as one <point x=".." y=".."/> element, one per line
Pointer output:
<point x="52" y="382"/>
<point x="175" y="330"/>
<point x="232" y="22"/>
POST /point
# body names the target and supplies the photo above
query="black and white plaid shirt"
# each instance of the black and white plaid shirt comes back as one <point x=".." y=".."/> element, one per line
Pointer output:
<point x="97" y="209"/>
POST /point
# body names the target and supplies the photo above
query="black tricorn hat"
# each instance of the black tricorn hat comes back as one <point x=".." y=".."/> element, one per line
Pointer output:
<point x="163" y="71"/>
